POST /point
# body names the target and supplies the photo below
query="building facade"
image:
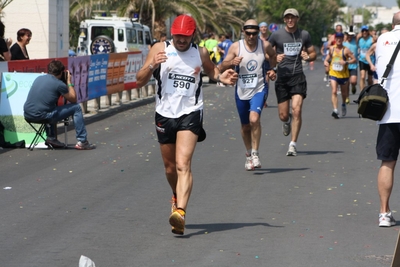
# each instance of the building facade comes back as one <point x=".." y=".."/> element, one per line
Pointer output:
<point x="47" y="19"/>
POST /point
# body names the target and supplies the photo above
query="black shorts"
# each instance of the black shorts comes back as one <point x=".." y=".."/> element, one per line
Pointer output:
<point x="167" y="128"/>
<point x="353" y="72"/>
<point x="388" y="141"/>
<point x="365" y="67"/>
<point x="287" y="86"/>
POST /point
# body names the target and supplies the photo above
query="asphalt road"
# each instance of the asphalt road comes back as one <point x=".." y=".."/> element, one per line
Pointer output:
<point x="112" y="205"/>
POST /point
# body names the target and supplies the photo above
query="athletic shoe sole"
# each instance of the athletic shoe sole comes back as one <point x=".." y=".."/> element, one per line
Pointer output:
<point x="177" y="223"/>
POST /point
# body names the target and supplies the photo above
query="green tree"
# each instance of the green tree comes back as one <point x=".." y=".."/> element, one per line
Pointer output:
<point x="316" y="16"/>
<point x="210" y="15"/>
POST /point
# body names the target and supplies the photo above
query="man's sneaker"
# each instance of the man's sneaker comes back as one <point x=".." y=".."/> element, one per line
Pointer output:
<point x="353" y="89"/>
<point x="292" y="151"/>
<point x="347" y="100"/>
<point x="386" y="219"/>
<point x="249" y="163"/>
<point x="256" y="160"/>
<point x="335" y="115"/>
<point x="84" y="145"/>
<point x="287" y="127"/>
<point x="177" y="221"/>
<point x="344" y="110"/>
<point x="54" y="143"/>
<point x="339" y="91"/>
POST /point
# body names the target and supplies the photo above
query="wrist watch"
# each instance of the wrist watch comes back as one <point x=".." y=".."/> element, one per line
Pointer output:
<point x="151" y="67"/>
<point x="275" y="69"/>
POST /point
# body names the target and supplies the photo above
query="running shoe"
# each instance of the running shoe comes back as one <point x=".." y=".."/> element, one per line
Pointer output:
<point x="249" y="163"/>
<point x="347" y="100"/>
<point x="335" y="115"/>
<point x="287" y="127"/>
<point x="177" y="221"/>
<point x="256" y="160"/>
<point x="339" y="91"/>
<point x="344" y="110"/>
<point x="292" y="152"/>
<point x="353" y="89"/>
<point x="84" y="145"/>
<point x="386" y="219"/>
<point x="173" y="203"/>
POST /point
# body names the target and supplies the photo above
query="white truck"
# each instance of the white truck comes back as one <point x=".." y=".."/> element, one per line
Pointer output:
<point x="102" y="35"/>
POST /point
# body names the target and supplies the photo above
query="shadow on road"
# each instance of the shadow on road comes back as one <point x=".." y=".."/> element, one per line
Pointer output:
<point x="219" y="227"/>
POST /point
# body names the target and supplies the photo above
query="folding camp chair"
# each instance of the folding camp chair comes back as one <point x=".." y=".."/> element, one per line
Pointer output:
<point x="39" y="132"/>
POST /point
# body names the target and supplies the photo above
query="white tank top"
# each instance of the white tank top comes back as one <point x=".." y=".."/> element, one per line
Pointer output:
<point x="179" y="86"/>
<point x="251" y="71"/>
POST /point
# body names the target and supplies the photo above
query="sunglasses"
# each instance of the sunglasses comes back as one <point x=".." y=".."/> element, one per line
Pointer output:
<point x="251" y="33"/>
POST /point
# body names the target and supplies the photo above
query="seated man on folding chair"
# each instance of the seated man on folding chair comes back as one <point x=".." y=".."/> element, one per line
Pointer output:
<point x="41" y="104"/>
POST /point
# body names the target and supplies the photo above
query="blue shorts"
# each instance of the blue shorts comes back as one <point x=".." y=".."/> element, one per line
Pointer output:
<point x="256" y="104"/>
<point x="340" y="81"/>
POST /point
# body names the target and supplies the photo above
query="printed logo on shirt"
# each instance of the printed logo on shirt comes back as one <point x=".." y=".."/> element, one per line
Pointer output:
<point x="172" y="54"/>
<point x="180" y="77"/>
<point x="251" y="65"/>
<point x="386" y="43"/>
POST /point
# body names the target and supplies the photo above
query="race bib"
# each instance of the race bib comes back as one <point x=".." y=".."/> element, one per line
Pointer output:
<point x="292" y="49"/>
<point x="247" y="81"/>
<point x="337" y="67"/>
<point x="180" y="84"/>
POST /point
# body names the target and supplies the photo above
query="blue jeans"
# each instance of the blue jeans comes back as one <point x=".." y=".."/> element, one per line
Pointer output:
<point x="62" y="112"/>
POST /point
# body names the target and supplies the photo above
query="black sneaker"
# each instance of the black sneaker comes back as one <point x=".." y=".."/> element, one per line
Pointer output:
<point x="54" y="143"/>
<point x="335" y="115"/>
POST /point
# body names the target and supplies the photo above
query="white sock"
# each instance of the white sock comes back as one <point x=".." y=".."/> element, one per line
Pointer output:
<point x="292" y="143"/>
<point x="254" y="152"/>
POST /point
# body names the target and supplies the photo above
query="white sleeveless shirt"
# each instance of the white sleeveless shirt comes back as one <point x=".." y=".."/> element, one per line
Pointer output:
<point x="179" y="85"/>
<point x="251" y="71"/>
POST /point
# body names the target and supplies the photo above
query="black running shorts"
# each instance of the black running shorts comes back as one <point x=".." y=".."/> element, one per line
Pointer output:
<point x="167" y="128"/>
<point x="287" y="86"/>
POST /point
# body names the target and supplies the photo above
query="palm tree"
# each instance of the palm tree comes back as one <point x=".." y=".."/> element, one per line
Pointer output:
<point x="213" y="15"/>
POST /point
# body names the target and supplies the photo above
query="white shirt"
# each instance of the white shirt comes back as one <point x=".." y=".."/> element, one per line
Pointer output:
<point x="179" y="84"/>
<point x="385" y="47"/>
<point x="251" y="71"/>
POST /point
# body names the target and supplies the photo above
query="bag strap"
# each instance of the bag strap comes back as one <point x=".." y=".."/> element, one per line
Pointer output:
<point x="391" y="62"/>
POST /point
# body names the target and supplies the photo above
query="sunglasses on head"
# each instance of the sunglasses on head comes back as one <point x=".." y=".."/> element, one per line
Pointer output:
<point x="251" y="33"/>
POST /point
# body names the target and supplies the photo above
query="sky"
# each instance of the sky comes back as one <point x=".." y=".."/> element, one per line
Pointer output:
<point x="360" y="3"/>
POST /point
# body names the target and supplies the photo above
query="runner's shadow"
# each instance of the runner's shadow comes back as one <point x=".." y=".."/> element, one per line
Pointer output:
<point x="210" y="228"/>
<point x="276" y="170"/>
<point x="318" y="152"/>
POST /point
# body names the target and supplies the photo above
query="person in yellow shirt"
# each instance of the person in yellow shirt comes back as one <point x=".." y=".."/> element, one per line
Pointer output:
<point x="337" y="60"/>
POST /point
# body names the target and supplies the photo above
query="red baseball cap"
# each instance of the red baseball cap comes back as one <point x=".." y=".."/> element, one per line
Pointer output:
<point x="183" y="25"/>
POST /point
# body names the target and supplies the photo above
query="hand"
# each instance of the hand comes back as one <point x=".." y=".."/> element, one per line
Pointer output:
<point x="68" y="77"/>
<point x="8" y="42"/>
<point x="236" y="61"/>
<point x="280" y="57"/>
<point x="372" y="67"/>
<point x="304" y="55"/>
<point x="228" y="77"/>
<point x="159" y="58"/>
<point x="271" y="74"/>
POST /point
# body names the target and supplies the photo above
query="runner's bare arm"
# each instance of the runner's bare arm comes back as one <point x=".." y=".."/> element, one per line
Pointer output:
<point x="228" y="76"/>
<point x="155" y="57"/>
<point x="230" y="57"/>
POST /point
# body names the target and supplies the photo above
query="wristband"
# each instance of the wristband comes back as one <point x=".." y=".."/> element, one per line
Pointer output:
<point x="70" y="84"/>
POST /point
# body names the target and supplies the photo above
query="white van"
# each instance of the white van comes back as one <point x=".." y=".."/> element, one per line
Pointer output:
<point x="102" y="35"/>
